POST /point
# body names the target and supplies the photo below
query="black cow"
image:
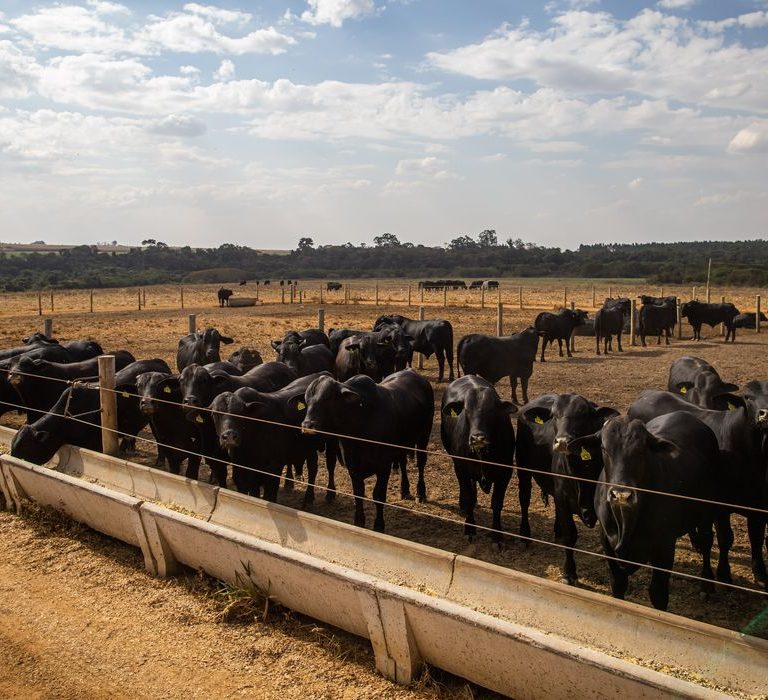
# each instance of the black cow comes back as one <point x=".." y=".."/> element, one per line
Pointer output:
<point x="699" y="313"/>
<point x="199" y="387"/>
<point x="200" y="347"/>
<point x="161" y="401"/>
<point x="435" y="336"/>
<point x="609" y="321"/>
<point x="545" y="429"/>
<point x="307" y="338"/>
<point x="647" y="299"/>
<point x="476" y="284"/>
<point x="244" y="282"/>
<point x="39" y="383"/>
<point x="657" y="319"/>
<point x="675" y="454"/>
<point x="259" y="449"/>
<point x="698" y="382"/>
<point x="748" y="320"/>
<point x="224" y="295"/>
<point x="246" y="358"/>
<point x="493" y="357"/>
<point x="333" y="286"/>
<point x="398" y="412"/>
<point x="558" y="327"/>
<point x="337" y="335"/>
<point x="38" y="442"/>
<point x="32" y="342"/>
<point x="376" y="354"/>
<point x="474" y="423"/>
<point x="741" y="435"/>
<point x="223" y="367"/>
<point x="304" y="359"/>
<point x="266" y="283"/>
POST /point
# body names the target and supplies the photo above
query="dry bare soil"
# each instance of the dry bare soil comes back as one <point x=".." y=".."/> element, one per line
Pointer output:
<point x="79" y="618"/>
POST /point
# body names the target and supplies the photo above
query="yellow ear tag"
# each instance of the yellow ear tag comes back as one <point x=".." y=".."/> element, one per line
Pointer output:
<point x="539" y="420"/>
<point x="453" y="413"/>
<point x="731" y="407"/>
<point x="126" y="395"/>
<point x="683" y="390"/>
<point x="167" y="389"/>
<point x="199" y="419"/>
<point x="301" y="405"/>
<point x="584" y="454"/>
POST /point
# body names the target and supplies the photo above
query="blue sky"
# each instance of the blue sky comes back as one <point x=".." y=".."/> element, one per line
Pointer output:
<point x="562" y="122"/>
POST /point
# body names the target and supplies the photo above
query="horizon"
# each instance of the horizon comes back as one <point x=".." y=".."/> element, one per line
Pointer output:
<point x="561" y="123"/>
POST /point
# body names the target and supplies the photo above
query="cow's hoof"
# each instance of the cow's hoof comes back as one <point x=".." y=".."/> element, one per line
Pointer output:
<point x="570" y="580"/>
<point x="406" y="496"/>
<point x="330" y="496"/>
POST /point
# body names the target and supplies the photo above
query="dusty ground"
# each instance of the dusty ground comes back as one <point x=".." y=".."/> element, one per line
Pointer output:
<point x="614" y="381"/>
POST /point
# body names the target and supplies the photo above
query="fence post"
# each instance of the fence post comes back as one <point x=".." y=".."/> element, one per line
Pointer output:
<point x="108" y="401"/>
<point x="182" y="297"/>
<point x="420" y="364"/>
<point x="679" y="321"/>
<point x="39" y="304"/>
<point x="661" y="292"/>
<point x="257" y="291"/>
<point x="51" y="302"/>
<point x="594" y="305"/>
<point x="139" y="298"/>
<point x="757" y="313"/>
<point x="377" y="294"/>
<point x="293" y="292"/>
<point x="282" y="295"/>
<point x="499" y="318"/>
<point x="565" y="297"/>
<point x="48" y="327"/>
<point x="482" y="297"/>
<point x="192" y="323"/>
<point x="321" y="319"/>
<point x="722" y="325"/>
<point x="693" y="293"/>
<point x="144" y="297"/>
<point x="610" y="292"/>
<point x="409" y="296"/>
<point x="445" y="296"/>
<point x="91" y="298"/>
<point x="520" y="297"/>
<point x="422" y="294"/>
<point x="572" y="339"/>
<point x="632" y="319"/>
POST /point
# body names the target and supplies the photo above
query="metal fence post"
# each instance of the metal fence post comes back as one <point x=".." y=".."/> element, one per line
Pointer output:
<point x="108" y="401"/>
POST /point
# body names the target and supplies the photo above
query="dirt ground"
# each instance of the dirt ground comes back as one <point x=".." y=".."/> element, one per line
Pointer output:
<point x="182" y="624"/>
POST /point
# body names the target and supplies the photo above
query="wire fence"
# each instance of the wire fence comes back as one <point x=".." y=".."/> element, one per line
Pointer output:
<point x="394" y="506"/>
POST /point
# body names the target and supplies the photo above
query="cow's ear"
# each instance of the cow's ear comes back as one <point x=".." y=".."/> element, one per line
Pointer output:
<point x="218" y="380"/>
<point x="604" y="413"/>
<point x="587" y="446"/>
<point x="752" y="388"/>
<point x="275" y="345"/>
<point x="352" y="346"/>
<point x="350" y="396"/>
<point x="537" y="415"/>
<point x="728" y="388"/>
<point x="41" y="436"/>
<point x="729" y="402"/>
<point x="508" y="407"/>
<point x="683" y="387"/>
<point x="660" y="446"/>
<point x="226" y="339"/>
<point x="256" y="408"/>
<point x="453" y="409"/>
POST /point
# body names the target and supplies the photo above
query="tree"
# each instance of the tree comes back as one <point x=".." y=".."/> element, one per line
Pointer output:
<point x="462" y="243"/>
<point x="305" y="244"/>
<point x="148" y="241"/>
<point x="488" y="238"/>
<point x="386" y="240"/>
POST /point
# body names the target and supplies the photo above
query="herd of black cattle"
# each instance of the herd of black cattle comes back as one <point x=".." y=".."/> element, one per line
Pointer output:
<point x="351" y="395"/>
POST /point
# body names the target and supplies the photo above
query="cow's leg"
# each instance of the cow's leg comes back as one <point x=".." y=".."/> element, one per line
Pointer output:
<point x="566" y="535"/>
<point x="658" y="338"/>
<point x="597" y="343"/>
<point x="618" y="341"/>
<point x="218" y="471"/>
<point x="560" y="347"/>
<point x="642" y="337"/>
<point x="616" y="573"/>
<point x="497" y="503"/>
<point x="309" y="494"/>
<point x="543" y="346"/>
<point x="524" y="387"/>
<point x="271" y="486"/>
<point x="524" y="495"/>
<point x="724" y="544"/>
<point x="193" y="467"/>
<point x="175" y="458"/>
<point x="704" y="539"/>
<point x="756" y="531"/>
<point x="449" y="357"/>
<point x="421" y="462"/>
<point x="358" y="489"/>
<point x="440" y="357"/>
<point x="289" y="477"/>
<point x="658" y="590"/>
<point x="401" y="462"/>
<point x="331" y="449"/>
<point x="380" y="496"/>
<point x="467" y="501"/>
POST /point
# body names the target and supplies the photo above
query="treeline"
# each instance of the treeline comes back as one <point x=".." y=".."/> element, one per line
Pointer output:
<point x="738" y="263"/>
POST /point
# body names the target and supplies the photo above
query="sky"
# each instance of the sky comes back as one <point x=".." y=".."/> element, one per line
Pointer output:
<point x="258" y="123"/>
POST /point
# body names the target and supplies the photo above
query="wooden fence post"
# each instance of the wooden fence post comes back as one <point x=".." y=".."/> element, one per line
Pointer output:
<point x="594" y="305"/>
<point x="257" y="291"/>
<point x="144" y="297"/>
<point x="377" y="294"/>
<point x="572" y="339"/>
<point x="679" y="321"/>
<point x="138" y="294"/>
<point x="293" y="291"/>
<point x="482" y="297"/>
<point x="445" y="296"/>
<point x="565" y="297"/>
<point x="48" y="327"/>
<point x="422" y="294"/>
<point x="499" y="318"/>
<point x="51" y="302"/>
<point x="520" y="297"/>
<point x="321" y="319"/>
<point x="182" y="297"/>
<point x="192" y="323"/>
<point x="420" y="363"/>
<point x="757" y="313"/>
<point x="661" y="292"/>
<point x="282" y="295"/>
<point x="91" y="298"/>
<point x="39" y="304"/>
<point x="632" y="321"/>
<point x="693" y="293"/>
<point x="108" y="399"/>
<point x="610" y="292"/>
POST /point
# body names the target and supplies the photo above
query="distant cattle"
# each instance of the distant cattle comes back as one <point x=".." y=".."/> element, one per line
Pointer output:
<point x="266" y="283"/>
<point x="609" y="321"/>
<point x="431" y="285"/>
<point x="657" y="316"/>
<point x="333" y="286"/>
<point x="224" y="295"/>
<point x="558" y="327"/>
<point x="748" y="319"/>
<point x="429" y="336"/>
<point x="244" y="282"/>
<point x="699" y="313"/>
<point x="476" y="284"/>
<point x="200" y="347"/>
<point x="494" y="357"/>
<point x="490" y="284"/>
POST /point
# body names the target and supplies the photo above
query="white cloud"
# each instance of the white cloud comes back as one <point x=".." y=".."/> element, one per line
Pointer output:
<point x="429" y="165"/>
<point x="225" y="71"/>
<point x="336" y="12"/>
<point x="18" y="71"/>
<point x="108" y="8"/>
<point x="556" y="146"/>
<point x="751" y="139"/>
<point x="677" y="4"/>
<point x="733" y="197"/>
<point x="218" y="14"/>
<point x="178" y="125"/>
